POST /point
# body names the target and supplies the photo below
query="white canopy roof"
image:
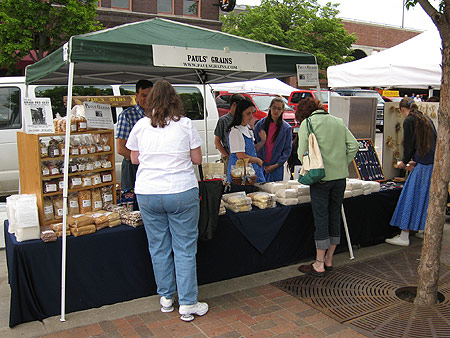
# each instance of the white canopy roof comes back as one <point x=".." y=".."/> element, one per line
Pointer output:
<point x="268" y="86"/>
<point x="415" y="63"/>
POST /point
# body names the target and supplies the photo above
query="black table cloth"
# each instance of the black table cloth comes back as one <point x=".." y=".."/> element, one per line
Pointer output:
<point x="113" y="264"/>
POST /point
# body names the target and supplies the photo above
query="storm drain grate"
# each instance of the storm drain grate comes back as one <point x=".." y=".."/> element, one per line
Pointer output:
<point x="363" y="295"/>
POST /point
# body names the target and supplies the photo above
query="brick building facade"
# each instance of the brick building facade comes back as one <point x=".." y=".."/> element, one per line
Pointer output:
<point x="203" y="13"/>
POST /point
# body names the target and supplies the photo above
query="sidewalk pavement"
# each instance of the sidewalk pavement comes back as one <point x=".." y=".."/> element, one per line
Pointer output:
<point x="247" y="306"/>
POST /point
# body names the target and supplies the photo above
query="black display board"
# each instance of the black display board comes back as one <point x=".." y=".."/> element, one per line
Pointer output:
<point x="366" y="162"/>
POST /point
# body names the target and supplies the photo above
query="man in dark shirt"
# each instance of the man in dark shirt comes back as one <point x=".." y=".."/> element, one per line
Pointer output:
<point x="220" y="139"/>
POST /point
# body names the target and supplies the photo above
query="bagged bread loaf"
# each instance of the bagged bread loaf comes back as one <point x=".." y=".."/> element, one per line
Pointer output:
<point x="132" y="218"/>
<point x="304" y="199"/>
<point x="96" y="197"/>
<point x="84" y="230"/>
<point x="287" y="201"/>
<point x="287" y="193"/>
<point x="47" y="234"/>
<point x="84" y="201"/>
<point x="79" y="220"/>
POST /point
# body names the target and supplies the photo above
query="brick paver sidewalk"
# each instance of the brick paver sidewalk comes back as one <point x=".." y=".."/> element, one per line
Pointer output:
<point x="258" y="312"/>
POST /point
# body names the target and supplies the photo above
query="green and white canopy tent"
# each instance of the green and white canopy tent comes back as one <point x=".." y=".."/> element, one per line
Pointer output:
<point x="160" y="48"/>
<point x="156" y="49"/>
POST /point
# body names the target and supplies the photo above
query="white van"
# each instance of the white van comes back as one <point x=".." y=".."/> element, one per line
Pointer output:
<point x="12" y="92"/>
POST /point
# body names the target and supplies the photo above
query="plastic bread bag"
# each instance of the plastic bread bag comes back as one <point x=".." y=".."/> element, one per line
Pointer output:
<point x="287" y="193"/>
<point x="48" y="209"/>
<point x="261" y="196"/>
<point x="58" y="206"/>
<point x="96" y="199"/>
<point x="287" y="201"/>
<point x="74" y="208"/>
<point x="74" y="145"/>
<point x="84" y="230"/>
<point x="104" y="141"/>
<point x="238" y="208"/>
<point x="239" y="194"/>
<point x="107" y="195"/>
<point x="84" y="201"/>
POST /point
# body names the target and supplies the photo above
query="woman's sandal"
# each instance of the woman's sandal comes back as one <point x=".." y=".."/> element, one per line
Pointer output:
<point x="309" y="270"/>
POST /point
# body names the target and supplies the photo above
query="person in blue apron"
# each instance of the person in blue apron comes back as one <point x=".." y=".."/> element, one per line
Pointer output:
<point x="278" y="146"/>
<point x="241" y="141"/>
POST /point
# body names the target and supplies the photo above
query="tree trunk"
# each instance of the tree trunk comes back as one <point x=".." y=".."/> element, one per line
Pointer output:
<point x="430" y="258"/>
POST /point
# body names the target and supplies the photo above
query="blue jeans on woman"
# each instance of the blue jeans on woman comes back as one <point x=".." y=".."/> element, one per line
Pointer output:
<point x="171" y="224"/>
<point x="326" y="202"/>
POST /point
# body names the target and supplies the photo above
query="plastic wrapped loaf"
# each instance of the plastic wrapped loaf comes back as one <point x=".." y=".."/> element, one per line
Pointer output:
<point x="131" y="218"/>
<point x="222" y="209"/>
<point x="303" y="190"/>
<point x="263" y="200"/>
<point x="287" y="193"/>
<point x="48" y="235"/>
<point x="23" y="216"/>
<point x="292" y="184"/>
<point x="287" y="201"/>
<point x="304" y="199"/>
<point x="237" y="202"/>
<point x="273" y="187"/>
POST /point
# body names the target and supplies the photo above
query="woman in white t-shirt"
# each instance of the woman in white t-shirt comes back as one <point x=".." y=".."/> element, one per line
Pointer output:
<point x="165" y="144"/>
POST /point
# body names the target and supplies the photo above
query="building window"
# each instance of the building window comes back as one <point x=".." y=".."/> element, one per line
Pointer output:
<point x="165" y="6"/>
<point x="191" y="7"/>
<point x="122" y="4"/>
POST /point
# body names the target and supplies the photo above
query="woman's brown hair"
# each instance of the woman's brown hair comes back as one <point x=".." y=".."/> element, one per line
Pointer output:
<point x="423" y="130"/>
<point x="306" y="107"/>
<point x="164" y="104"/>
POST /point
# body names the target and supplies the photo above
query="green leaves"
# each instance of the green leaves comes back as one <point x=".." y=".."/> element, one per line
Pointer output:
<point x="41" y="26"/>
<point x="295" y="24"/>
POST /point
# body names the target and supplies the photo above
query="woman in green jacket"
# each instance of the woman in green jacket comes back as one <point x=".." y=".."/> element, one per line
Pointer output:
<point x="338" y="147"/>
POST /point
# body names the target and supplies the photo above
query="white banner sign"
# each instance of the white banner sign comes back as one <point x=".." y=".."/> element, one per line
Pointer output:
<point x="98" y="115"/>
<point x="199" y="58"/>
<point x="307" y="75"/>
<point x="38" y="115"/>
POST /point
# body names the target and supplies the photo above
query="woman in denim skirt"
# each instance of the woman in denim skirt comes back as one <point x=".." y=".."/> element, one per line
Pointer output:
<point x="165" y="144"/>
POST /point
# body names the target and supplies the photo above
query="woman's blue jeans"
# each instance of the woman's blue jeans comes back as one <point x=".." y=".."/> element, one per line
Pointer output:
<point x="326" y="201"/>
<point x="171" y="224"/>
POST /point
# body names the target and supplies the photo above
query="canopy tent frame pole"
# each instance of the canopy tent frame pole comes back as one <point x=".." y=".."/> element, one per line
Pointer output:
<point x="347" y="234"/>
<point x="65" y="191"/>
<point x="201" y="77"/>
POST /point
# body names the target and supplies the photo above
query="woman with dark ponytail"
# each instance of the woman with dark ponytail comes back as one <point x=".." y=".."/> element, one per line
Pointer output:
<point x="278" y="145"/>
<point x="419" y="143"/>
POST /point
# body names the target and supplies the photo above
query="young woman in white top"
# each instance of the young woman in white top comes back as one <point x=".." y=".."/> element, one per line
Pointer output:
<point x="165" y="144"/>
<point x="241" y="140"/>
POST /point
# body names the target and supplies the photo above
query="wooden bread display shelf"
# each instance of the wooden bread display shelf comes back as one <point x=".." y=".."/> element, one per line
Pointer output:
<point x="89" y="131"/>
<point x="60" y="158"/>
<point x="77" y="173"/>
<point x="59" y="192"/>
<point x="30" y="161"/>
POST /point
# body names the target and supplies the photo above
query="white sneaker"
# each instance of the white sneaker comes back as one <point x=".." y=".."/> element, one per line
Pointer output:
<point x="419" y="234"/>
<point x="397" y="241"/>
<point x="187" y="311"/>
<point x="166" y="304"/>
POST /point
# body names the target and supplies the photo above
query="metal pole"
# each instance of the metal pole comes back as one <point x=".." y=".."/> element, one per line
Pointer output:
<point x="347" y="234"/>
<point x="403" y="13"/>
<point x="65" y="192"/>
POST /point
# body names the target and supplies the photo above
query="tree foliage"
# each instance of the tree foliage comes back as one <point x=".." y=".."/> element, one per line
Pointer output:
<point x="296" y="24"/>
<point x="41" y="26"/>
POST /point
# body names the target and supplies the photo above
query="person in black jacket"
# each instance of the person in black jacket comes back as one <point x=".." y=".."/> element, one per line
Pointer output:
<point x="419" y="143"/>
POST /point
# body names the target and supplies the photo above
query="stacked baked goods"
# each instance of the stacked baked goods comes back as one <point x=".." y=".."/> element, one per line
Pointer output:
<point x="237" y="202"/>
<point x="263" y="200"/>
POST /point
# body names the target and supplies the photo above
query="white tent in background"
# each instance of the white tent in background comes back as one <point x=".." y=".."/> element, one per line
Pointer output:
<point x="268" y="86"/>
<point x="415" y="63"/>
